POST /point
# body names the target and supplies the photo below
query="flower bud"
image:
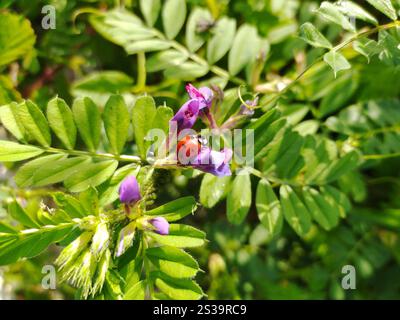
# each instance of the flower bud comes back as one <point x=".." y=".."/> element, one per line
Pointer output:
<point x="125" y="239"/>
<point x="100" y="239"/>
<point x="216" y="264"/>
<point x="129" y="191"/>
<point x="101" y="272"/>
<point x="160" y="225"/>
<point x="73" y="250"/>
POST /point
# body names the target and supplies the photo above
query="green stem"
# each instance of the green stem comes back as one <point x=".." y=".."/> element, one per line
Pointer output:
<point x="141" y="70"/>
<point x="381" y="156"/>
<point x="336" y="48"/>
<point x="373" y="132"/>
<point x="12" y="191"/>
<point x="121" y="158"/>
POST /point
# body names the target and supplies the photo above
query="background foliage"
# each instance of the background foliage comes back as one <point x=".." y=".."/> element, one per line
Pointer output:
<point x="324" y="189"/>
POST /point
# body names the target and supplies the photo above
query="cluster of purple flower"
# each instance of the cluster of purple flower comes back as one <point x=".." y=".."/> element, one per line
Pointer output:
<point x="203" y="158"/>
<point x="129" y="194"/>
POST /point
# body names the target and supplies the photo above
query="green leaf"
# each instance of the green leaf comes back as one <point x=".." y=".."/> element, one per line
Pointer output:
<point x="91" y="175"/>
<point x="332" y="13"/>
<point x="239" y="199"/>
<point x="59" y="171"/>
<point x="367" y="47"/>
<point x="62" y="122"/>
<point x="260" y="126"/>
<point x="322" y="209"/>
<point x="384" y="6"/>
<point x="30" y="243"/>
<point x="284" y="156"/>
<point x="338" y="197"/>
<point x="100" y="85"/>
<point x="173" y="15"/>
<point x="339" y="93"/>
<point x="147" y="45"/>
<point x="244" y="48"/>
<point x="116" y="123"/>
<point x="164" y="59"/>
<point x="180" y="236"/>
<point x="25" y="174"/>
<point x="69" y="204"/>
<point x="8" y="92"/>
<point x="11" y="151"/>
<point x="113" y="285"/>
<point x="311" y="35"/>
<point x="34" y="122"/>
<point x="352" y="9"/>
<point x="5" y="228"/>
<point x="16" y="37"/>
<point x="173" y="261"/>
<point x="9" y="119"/>
<point x="150" y="10"/>
<point x="336" y="61"/>
<point x="143" y="114"/>
<point x="88" y="120"/>
<point x="347" y="163"/>
<point x="137" y="291"/>
<point x="222" y="39"/>
<point x="161" y="119"/>
<point x="213" y="189"/>
<point x="175" y="210"/>
<point x="307" y="127"/>
<point x="294" y="211"/>
<point x="19" y="214"/>
<point x="269" y="209"/>
<point x="267" y="129"/>
<point x="121" y="27"/>
<point x="178" y="289"/>
<point x="186" y="71"/>
<point x="390" y="52"/>
<point x="194" y="40"/>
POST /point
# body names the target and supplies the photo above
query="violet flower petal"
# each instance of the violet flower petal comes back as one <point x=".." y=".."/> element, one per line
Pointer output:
<point x="129" y="191"/>
<point x="187" y="115"/>
<point x="204" y="95"/>
<point x="161" y="225"/>
<point x="214" y="162"/>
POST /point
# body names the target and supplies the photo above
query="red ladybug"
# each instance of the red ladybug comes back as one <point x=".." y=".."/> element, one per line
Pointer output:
<point x="191" y="145"/>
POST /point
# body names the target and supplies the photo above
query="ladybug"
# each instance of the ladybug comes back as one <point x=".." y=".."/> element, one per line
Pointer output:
<point x="191" y="145"/>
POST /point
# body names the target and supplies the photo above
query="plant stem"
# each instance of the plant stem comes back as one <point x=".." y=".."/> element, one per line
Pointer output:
<point x="381" y="156"/>
<point x="25" y="193"/>
<point x="339" y="47"/>
<point x="141" y="71"/>
<point x="121" y="158"/>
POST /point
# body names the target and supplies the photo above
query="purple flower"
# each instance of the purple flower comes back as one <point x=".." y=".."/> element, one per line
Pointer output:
<point x="214" y="162"/>
<point x="187" y="115"/>
<point x="200" y="101"/>
<point x="129" y="191"/>
<point x="161" y="225"/>
<point x="245" y="111"/>
<point x="203" y="95"/>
